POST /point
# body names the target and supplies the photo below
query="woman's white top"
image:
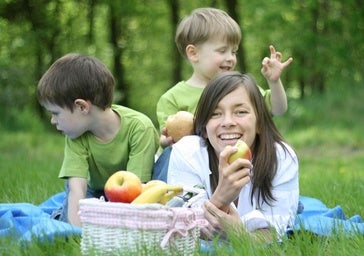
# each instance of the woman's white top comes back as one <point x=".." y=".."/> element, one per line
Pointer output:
<point x="189" y="166"/>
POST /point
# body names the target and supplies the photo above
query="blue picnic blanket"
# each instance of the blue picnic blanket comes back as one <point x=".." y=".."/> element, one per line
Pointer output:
<point x="25" y="221"/>
<point x="317" y="218"/>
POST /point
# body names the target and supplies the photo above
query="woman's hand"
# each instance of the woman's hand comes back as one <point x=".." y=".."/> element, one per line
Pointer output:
<point x="232" y="178"/>
<point x="219" y="221"/>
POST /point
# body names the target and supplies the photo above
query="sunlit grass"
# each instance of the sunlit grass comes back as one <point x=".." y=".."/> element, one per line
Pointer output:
<point x="326" y="131"/>
<point x="29" y="165"/>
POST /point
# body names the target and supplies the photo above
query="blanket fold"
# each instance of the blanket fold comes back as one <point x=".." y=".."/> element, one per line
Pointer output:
<point x="321" y="220"/>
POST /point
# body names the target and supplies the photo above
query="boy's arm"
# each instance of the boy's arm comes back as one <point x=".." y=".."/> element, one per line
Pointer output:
<point x="143" y="147"/>
<point x="272" y="69"/>
<point x="165" y="108"/>
<point x="165" y="140"/>
<point x="278" y="98"/>
<point x="77" y="191"/>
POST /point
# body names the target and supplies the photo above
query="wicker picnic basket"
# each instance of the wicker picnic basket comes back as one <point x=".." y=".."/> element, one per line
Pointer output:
<point x="150" y="229"/>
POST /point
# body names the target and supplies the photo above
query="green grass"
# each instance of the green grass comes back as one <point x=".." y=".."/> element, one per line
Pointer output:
<point x="326" y="132"/>
<point x="29" y="164"/>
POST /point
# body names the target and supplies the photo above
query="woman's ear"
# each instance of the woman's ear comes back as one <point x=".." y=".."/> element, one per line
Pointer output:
<point x="258" y="129"/>
<point x="204" y="134"/>
<point x="82" y="105"/>
<point x="191" y="53"/>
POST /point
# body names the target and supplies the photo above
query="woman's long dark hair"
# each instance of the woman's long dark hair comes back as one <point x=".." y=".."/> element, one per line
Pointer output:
<point x="264" y="152"/>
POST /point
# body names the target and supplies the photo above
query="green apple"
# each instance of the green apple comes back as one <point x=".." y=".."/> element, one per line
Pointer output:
<point x="123" y="187"/>
<point x="243" y="152"/>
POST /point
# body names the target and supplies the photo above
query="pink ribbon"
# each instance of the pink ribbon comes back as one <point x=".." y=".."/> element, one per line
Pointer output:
<point x="180" y="227"/>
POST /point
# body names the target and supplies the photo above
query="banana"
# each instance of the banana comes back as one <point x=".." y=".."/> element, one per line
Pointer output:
<point x="152" y="183"/>
<point x="155" y="194"/>
<point x="169" y="195"/>
<point x="151" y="195"/>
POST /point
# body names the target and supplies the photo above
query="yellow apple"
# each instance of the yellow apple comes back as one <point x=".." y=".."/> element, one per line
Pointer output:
<point x="243" y="152"/>
<point x="179" y="125"/>
<point x="123" y="186"/>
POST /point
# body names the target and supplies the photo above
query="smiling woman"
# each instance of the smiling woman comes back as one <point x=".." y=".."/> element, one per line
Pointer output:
<point x="233" y="118"/>
<point x="231" y="107"/>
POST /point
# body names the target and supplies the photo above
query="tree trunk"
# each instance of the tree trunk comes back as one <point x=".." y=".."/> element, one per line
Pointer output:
<point x="316" y="78"/>
<point x="90" y="16"/>
<point x="232" y="6"/>
<point x="118" y="70"/>
<point x="177" y="58"/>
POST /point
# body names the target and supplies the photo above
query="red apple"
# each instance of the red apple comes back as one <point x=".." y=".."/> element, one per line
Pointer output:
<point x="123" y="186"/>
<point x="243" y="152"/>
<point x="179" y="125"/>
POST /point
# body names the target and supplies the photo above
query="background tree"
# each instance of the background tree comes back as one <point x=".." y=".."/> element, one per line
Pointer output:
<point x="176" y="56"/>
<point x="118" y="34"/>
<point x="233" y="10"/>
<point x="135" y="39"/>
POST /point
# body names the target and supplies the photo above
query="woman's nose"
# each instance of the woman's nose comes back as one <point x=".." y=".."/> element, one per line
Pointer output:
<point x="228" y="121"/>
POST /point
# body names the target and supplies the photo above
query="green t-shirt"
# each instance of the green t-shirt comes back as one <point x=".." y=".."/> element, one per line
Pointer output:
<point x="185" y="97"/>
<point x="181" y="97"/>
<point x="133" y="149"/>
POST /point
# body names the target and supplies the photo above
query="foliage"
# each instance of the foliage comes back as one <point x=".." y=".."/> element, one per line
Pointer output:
<point x="324" y="37"/>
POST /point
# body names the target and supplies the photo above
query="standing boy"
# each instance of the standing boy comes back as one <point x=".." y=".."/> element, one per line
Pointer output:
<point x="101" y="138"/>
<point x="209" y="39"/>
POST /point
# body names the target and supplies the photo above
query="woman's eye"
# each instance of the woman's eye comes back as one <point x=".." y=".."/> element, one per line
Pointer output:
<point x="241" y="112"/>
<point x="215" y="115"/>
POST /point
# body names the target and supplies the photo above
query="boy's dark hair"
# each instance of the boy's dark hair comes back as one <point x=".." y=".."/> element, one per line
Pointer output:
<point x="75" y="76"/>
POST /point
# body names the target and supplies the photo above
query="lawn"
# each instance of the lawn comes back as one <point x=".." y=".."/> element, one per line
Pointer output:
<point x="326" y="132"/>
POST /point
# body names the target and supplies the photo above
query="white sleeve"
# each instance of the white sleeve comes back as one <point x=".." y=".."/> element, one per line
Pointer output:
<point x="188" y="164"/>
<point x="180" y="172"/>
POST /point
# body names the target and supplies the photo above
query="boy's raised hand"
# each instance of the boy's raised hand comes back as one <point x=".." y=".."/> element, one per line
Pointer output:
<point x="273" y="67"/>
<point x="164" y="139"/>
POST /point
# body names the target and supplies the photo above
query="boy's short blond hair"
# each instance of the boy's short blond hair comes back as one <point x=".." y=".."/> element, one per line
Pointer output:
<point x="203" y="24"/>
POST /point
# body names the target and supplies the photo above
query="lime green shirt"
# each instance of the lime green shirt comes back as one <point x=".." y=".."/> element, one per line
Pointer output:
<point x="181" y="97"/>
<point x="185" y="97"/>
<point x="133" y="149"/>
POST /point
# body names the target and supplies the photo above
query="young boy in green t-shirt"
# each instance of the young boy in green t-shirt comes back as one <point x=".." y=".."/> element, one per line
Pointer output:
<point x="209" y="39"/>
<point x="101" y="138"/>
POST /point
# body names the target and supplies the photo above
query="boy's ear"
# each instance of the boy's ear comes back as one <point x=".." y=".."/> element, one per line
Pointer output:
<point x="82" y="105"/>
<point x="191" y="52"/>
